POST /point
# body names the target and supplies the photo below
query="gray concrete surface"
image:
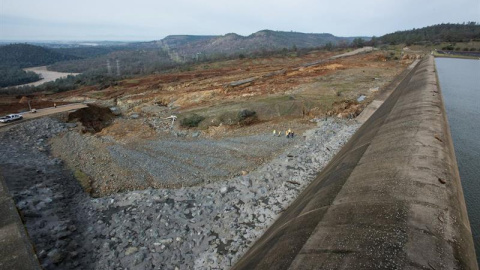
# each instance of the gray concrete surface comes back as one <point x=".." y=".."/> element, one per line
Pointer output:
<point x="16" y="251"/>
<point x="384" y="94"/>
<point x="390" y="199"/>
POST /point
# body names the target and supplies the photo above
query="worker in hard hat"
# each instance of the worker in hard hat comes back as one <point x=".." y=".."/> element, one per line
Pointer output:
<point x="289" y="133"/>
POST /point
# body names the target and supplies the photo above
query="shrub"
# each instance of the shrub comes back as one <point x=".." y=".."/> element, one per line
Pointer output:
<point x="245" y="113"/>
<point x="84" y="180"/>
<point x="247" y="117"/>
<point x="191" y="120"/>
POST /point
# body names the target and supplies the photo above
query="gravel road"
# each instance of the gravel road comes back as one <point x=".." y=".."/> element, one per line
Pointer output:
<point x="201" y="227"/>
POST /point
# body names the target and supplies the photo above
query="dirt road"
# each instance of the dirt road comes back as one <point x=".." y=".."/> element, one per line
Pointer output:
<point x="45" y="112"/>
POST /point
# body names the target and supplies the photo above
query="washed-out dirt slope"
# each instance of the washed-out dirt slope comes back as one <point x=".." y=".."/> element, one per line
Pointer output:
<point x="211" y="88"/>
<point x="142" y="149"/>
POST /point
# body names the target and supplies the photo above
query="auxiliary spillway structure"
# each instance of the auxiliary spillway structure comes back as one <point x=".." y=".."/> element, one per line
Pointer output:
<point x="390" y="199"/>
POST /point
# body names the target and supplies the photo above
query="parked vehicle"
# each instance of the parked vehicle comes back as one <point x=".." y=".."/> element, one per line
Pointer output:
<point x="10" y="118"/>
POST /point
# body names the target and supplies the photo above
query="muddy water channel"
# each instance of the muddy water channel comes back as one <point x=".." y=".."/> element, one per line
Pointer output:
<point x="47" y="75"/>
<point x="460" y="84"/>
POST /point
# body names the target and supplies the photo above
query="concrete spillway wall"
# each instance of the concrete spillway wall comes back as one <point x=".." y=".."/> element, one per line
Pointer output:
<point x="16" y="251"/>
<point x="390" y="199"/>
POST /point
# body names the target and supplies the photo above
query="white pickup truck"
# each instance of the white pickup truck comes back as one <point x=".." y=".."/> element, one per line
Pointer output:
<point x="10" y="118"/>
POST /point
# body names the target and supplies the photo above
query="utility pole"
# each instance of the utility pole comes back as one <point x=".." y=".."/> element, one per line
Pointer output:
<point x="109" y="67"/>
<point x="118" y="67"/>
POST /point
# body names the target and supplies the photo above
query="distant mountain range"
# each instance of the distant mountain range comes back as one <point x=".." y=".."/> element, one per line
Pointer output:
<point x="177" y="47"/>
<point x="265" y="40"/>
<point x="136" y="58"/>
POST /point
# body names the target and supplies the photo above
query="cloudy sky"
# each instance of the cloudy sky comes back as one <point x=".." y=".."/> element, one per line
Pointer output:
<point x="155" y="19"/>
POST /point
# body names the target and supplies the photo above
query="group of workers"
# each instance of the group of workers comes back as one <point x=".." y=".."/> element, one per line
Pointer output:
<point x="289" y="133"/>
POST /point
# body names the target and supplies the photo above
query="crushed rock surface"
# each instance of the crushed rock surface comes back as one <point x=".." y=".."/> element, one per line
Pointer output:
<point x="201" y="227"/>
<point x="115" y="166"/>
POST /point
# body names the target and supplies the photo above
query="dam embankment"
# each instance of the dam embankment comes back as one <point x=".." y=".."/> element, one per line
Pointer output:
<point x="390" y="199"/>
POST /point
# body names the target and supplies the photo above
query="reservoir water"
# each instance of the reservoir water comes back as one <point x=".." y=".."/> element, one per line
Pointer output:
<point x="460" y="84"/>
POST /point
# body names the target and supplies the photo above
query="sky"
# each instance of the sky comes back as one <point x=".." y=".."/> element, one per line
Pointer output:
<point x="129" y="20"/>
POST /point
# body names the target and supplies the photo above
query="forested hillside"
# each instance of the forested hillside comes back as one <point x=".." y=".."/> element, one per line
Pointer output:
<point x="26" y="55"/>
<point x="130" y="62"/>
<point x="89" y="51"/>
<point x="16" y="76"/>
<point x="14" y="57"/>
<point x="437" y="33"/>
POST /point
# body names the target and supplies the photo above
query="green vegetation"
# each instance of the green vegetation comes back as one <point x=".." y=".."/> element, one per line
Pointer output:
<point x="65" y="84"/>
<point x="83" y="179"/>
<point x="358" y="42"/>
<point x="241" y="117"/>
<point x="130" y="62"/>
<point x="14" y="57"/>
<point x="435" y="34"/>
<point x="16" y="76"/>
<point x="25" y="55"/>
<point x="192" y="120"/>
<point x="89" y="51"/>
<point x="245" y="113"/>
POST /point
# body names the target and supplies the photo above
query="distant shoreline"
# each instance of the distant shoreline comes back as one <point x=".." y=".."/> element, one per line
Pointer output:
<point x="454" y="55"/>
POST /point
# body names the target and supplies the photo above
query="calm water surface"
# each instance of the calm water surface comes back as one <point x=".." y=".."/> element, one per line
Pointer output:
<point x="460" y="84"/>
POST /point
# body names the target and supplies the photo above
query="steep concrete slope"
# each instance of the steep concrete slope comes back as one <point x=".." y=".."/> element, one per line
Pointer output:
<point x="390" y="199"/>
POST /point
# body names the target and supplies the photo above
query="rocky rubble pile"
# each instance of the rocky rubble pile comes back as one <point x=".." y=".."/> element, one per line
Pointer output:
<point x="202" y="227"/>
<point x="47" y="195"/>
<point x="209" y="227"/>
<point x="113" y="165"/>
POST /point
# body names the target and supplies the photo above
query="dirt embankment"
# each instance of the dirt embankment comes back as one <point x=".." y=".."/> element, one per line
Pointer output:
<point x="18" y="104"/>
<point x="93" y="118"/>
<point x="274" y="87"/>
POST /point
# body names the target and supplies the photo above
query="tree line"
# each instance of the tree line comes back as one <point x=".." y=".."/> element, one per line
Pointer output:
<point x="446" y="32"/>
<point x="16" y="76"/>
<point x="15" y="57"/>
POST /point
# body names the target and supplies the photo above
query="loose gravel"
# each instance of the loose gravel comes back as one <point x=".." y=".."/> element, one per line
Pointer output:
<point x="201" y="227"/>
<point x="115" y="166"/>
